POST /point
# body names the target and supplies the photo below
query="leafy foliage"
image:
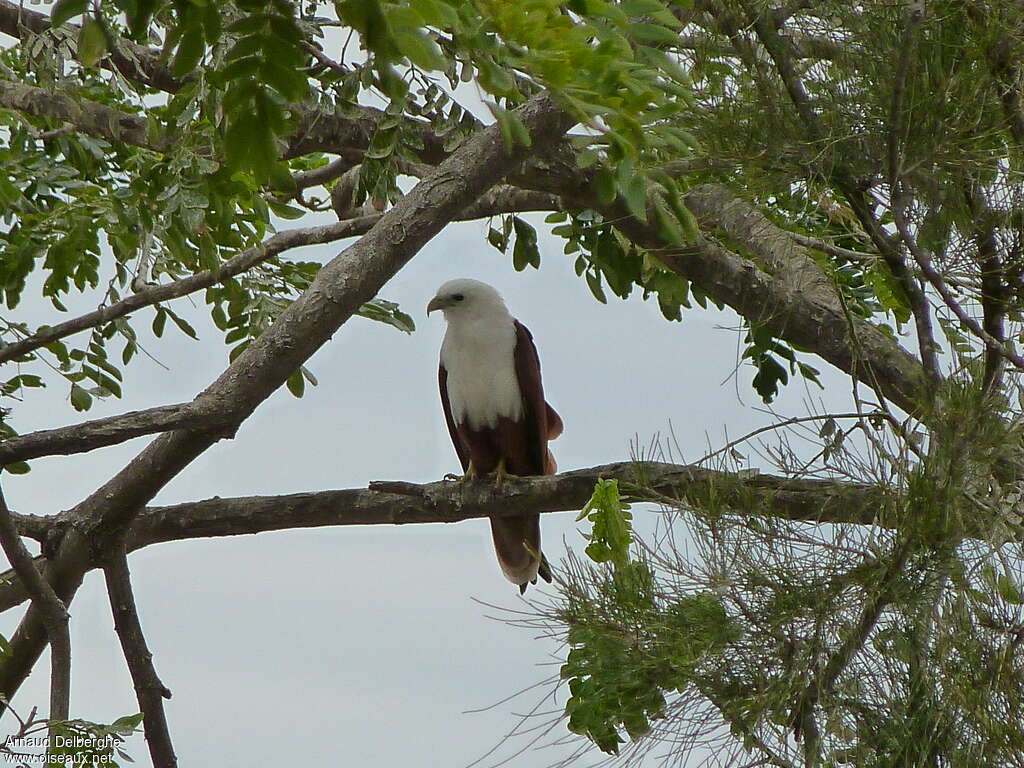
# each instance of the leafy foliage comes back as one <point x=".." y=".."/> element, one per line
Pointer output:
<point x="896" y="644"/>
<point x="630" y="643"/>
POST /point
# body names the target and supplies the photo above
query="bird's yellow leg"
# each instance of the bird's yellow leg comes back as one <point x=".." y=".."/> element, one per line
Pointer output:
<point x="500" y="474"/>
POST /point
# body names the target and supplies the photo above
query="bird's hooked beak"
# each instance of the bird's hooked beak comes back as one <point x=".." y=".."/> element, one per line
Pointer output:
<point x="439" y="302"/>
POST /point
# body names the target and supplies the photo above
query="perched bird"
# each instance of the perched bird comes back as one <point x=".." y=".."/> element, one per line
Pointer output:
<point x="494" y="404"/>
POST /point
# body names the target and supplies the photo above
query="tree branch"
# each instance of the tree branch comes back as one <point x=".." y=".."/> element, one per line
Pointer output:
<point x="135" y="62"/>
<point x="149" y="691"/>
<point x="50" y="608"/>
<point x="787" y="293"/>
<point x="399" y="503"/>
<point x="272" y="246"/>
<point x="89" y="435"/>
<point x="500" y="200"/>
<point x="918" y="303"/>
<point x="342" y="286"/>
<point x="89" y="117"/>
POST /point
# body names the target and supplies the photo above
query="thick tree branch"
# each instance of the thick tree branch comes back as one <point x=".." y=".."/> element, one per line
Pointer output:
<point x="149" y="691"/>
<point x="786" y="291"/>
<point x="86" y="116"/>
<point x="399" y="503"/>
<point x="339" y="289"/>
<point x="51" y="610"/>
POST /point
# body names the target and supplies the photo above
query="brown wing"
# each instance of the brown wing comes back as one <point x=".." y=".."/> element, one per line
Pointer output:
<point x="460" y="448"/>
<point x="541" y="421"/>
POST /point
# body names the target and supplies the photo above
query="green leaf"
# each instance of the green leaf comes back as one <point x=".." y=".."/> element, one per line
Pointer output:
<point x="666" y="223"/>
<point x="17" y="468"/>
<point x="1008" y="589"/>
<point x="653" y="33"/>
<point x="285" y="211"/>
<point x="183" y="326"/>
<point x="525" y="252"/>
<point x="66" y="9"/>
<point x="80" y="399"/>
<point x="92" y="43"/>
<point x="436" y="13"/>
<point x="190" y="51"/>
<point x="633" y="189"/>
<point x="127" y="724"/>
<point x="604" y="186"/>
<point x="419" y="48"/>
<point x="159" y="322"/>
<point x="594" y="282"/>
<point x="296" y="383"/>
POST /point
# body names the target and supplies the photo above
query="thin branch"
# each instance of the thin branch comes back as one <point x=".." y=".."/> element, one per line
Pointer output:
<point x="915" y="294"/>
<point x="149" y="691"/>
<point x="325" y="60"/>
<point x="321" y="175"/>
<point x="143" y="65"/>
<point x="272" y="246"/>
<point x="111" y="430"/>
<point x="51" y="609"/>
<point x="832" y="249"/>
<point x="994" y="288"/>
<point x="822" y="683"/>
<point x="504" y="199"/>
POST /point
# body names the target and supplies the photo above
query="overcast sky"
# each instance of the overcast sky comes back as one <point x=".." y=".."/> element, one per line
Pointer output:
<point x="369" y="644"/>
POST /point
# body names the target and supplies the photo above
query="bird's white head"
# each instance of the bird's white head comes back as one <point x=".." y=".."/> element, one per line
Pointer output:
<point x="467" y="299"/>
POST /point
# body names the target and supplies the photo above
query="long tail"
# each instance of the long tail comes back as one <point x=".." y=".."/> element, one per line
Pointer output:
<point x="517" y="545"/>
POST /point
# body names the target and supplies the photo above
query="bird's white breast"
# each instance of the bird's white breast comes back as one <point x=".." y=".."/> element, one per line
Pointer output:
<point x="480" y="359"/>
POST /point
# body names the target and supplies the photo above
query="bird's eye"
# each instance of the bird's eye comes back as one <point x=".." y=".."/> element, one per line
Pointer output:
<point x="458" y="297"/>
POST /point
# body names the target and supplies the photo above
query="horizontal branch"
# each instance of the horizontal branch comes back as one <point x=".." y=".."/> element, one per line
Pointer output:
<point x="400" y="503"/>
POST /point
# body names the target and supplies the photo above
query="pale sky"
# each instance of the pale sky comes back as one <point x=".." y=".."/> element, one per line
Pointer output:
<point x="367" y="645"/>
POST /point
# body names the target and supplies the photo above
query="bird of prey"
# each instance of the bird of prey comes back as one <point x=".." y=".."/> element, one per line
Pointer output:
<point x="494" y="405"/>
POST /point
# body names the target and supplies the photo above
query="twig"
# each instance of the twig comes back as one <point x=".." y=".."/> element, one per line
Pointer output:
<point x="51" y="609"/>
<point x="321" y="175"/>
<point x="324" y="60"/>
<point x="149" y="691"/>
<point x="787" y="423"/>
<point x="832" y="249"/>
<point x="823" y="682"/>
